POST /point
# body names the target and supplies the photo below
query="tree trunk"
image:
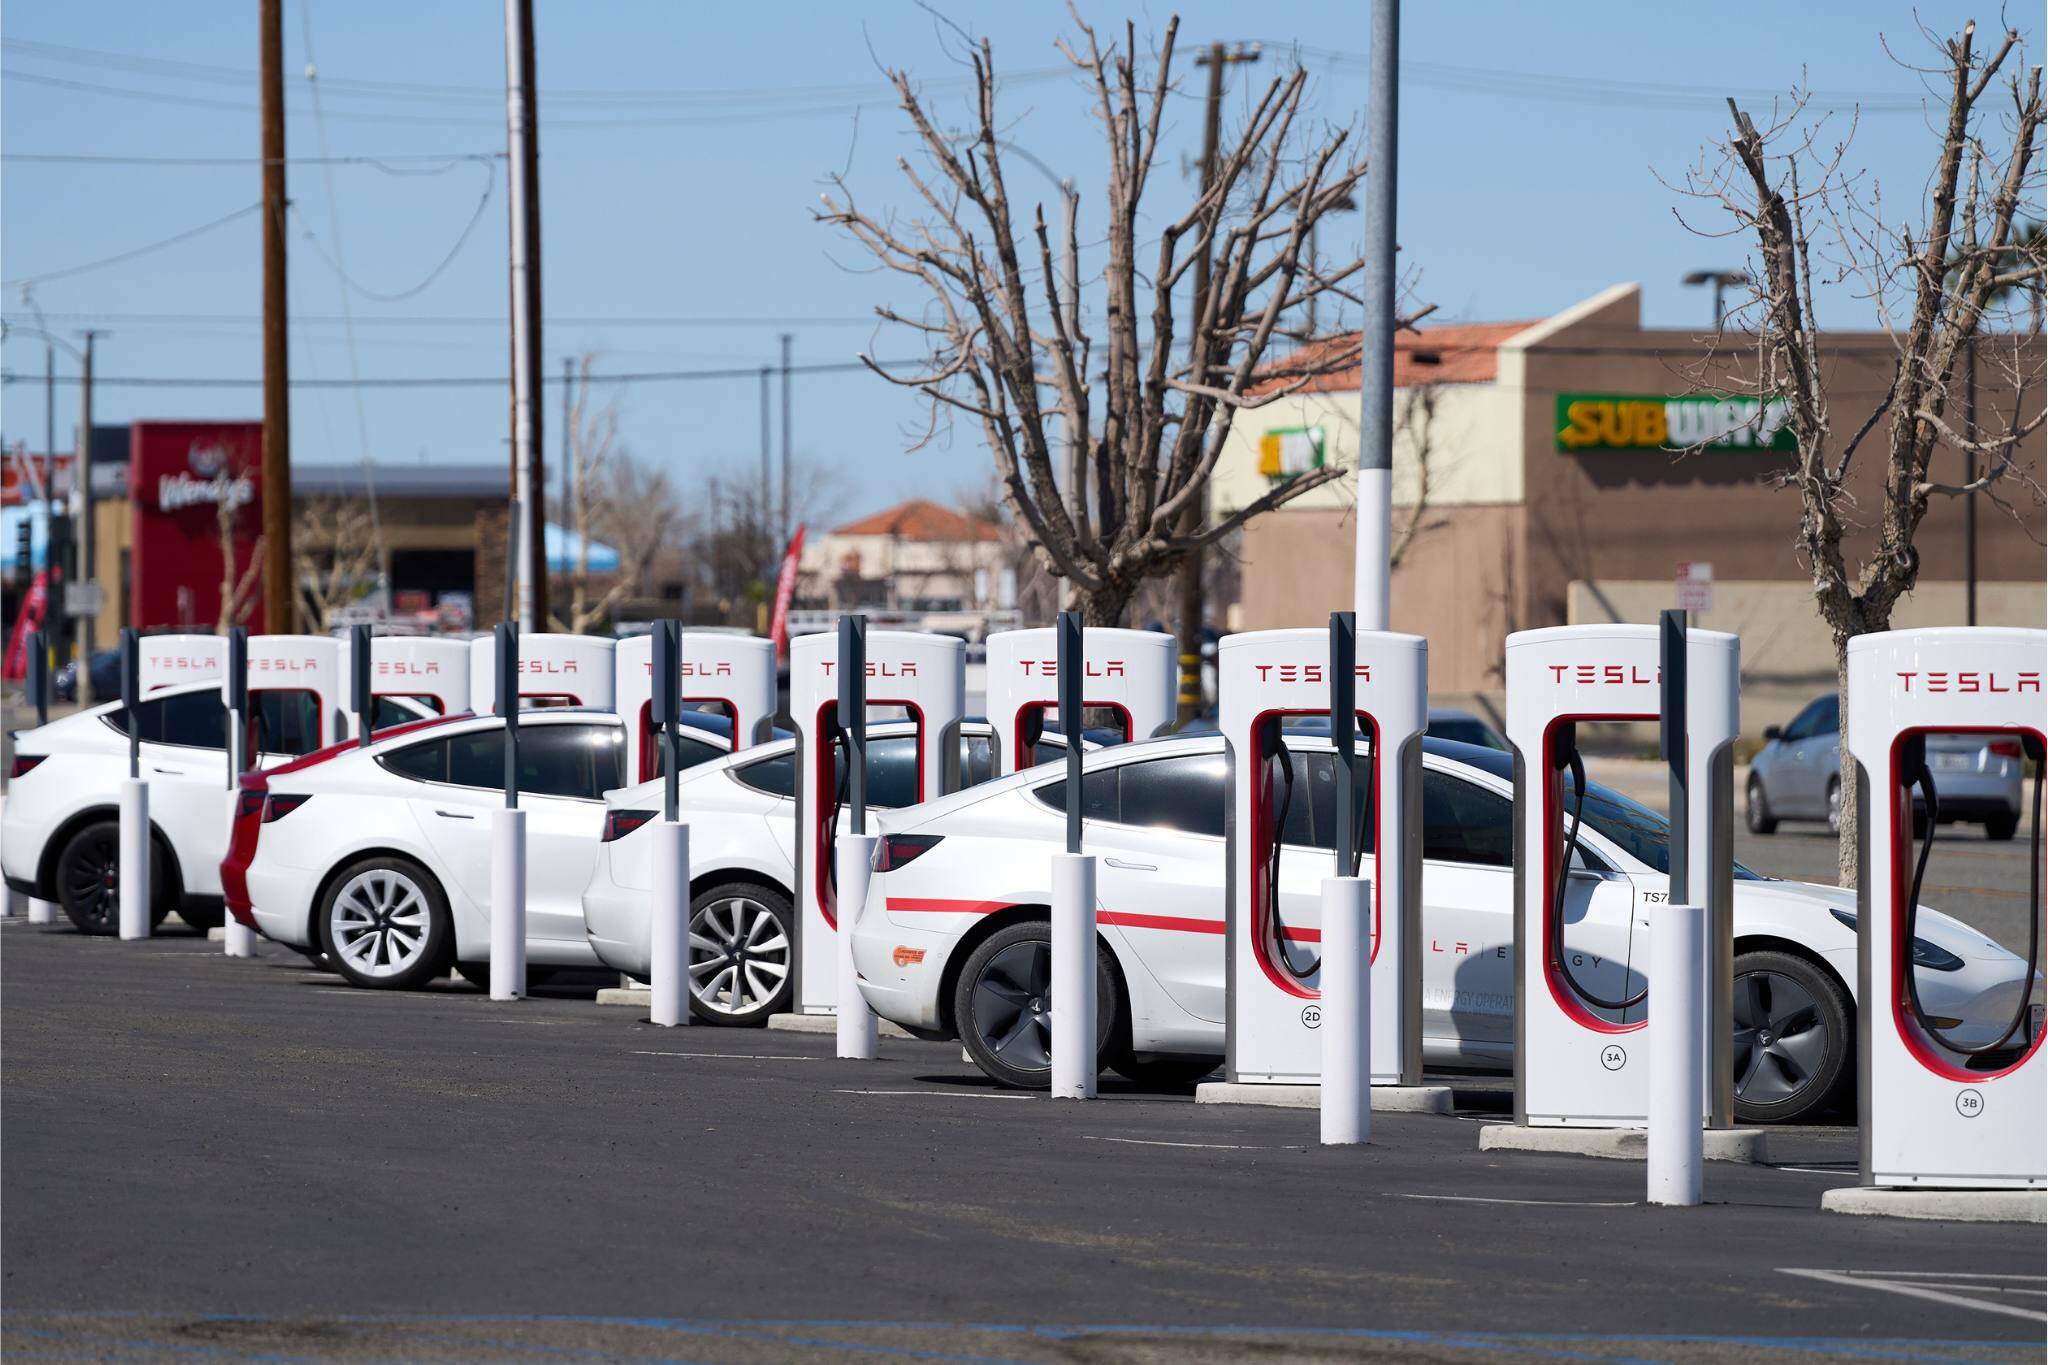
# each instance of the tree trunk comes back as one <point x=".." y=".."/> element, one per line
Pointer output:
<point x="1104" y="607"/>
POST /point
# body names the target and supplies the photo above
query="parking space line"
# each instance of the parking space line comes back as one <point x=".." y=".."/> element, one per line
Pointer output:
<point x="1534" y="1203"/>
<point x="943" y="1094"/>
<point x="1205" y="1146"/>
<point x="731" y="1056"/>
<point x="1901" y="1282"/>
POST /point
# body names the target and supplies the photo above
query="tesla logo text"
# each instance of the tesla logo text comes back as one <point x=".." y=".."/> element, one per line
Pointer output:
<point x="1046" y="668"/>
<point x="1310" y="673"/>
<point x="174" y="663"/>
<point x="879" y="669"/>
<point x="907" y="957"/>
<point x="1603" y="675"/>
<point x="1971" y="680"/>
<point x="407" y="668"/>
<point x="547" y="666"/>
<point x="282" y="665"/>
<point x="686" y="669"/>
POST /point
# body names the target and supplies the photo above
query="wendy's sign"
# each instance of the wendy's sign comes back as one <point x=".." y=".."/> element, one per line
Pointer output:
<point x="181" y="475"/>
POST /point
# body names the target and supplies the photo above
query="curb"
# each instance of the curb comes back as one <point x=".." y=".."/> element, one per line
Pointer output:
<point x="1745" y="1145"/>
<point x="1386" y="1099"/>
<point x="1951" y="1206"/>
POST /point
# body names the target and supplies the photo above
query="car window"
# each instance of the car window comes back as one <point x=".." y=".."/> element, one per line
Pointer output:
<point x="1321" y="791"/>
<point x="1186" y="793"/>
<point x="1048" y="751"/>
<point x="579" y="761"/>
<point x="1294" y="804"/>
<point x="1639" y="831"/>
<point x="286" y="721"/>
<point x="194" y="720"/>
<point x="1465" y="823"/>
<point x="386" y="712"/>
<point x="426" y="761"/>
<point x="775" y="775"/>
<point x="693" y="751"/>
<point x="977" y="759"/>
<point x="1465" y="730"/>
<point x="891" y="772"/>
<point x="1812" y="720"/>
<point x="1098" y="794"/>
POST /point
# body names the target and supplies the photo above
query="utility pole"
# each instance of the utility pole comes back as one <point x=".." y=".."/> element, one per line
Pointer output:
<point x="84" y="535"/>
<point x="767" y="512"/>
<point x="568" y="455"/>
<point x="1376" y="354"/>
<point x="1193" y="607"/>
<point x="1970" y="477"/>
<point x="785" y="522"/>
<point x="522" y="154"/>
<point x="280" y="596"/>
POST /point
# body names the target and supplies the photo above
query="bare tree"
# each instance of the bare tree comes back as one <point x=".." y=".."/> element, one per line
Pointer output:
<point x="1417" y="419"/>
<point x="1931" y="284"/>
<point x="334" y="555"/>
<point x="1006" y="348"/>
<point x="638" y="514"/>
<point x="593" y="429"/>
<point x="233" y="490"/>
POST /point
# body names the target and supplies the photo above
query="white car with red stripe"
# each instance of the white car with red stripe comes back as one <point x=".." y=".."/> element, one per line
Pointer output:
<point x="953" y="939"/>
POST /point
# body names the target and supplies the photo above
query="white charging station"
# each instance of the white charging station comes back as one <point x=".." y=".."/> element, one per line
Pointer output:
<point x="1938" y="1111"/>
<point x="422" y="668"/>
<point x="299" y="663"/>
<point x="168" y="660"/>
<point x="1582" y="1036"/>
<point x="735" y="673"/>
<point x="1127" y="672"/>
<point x="1273" y="909"/>
<point x="922" y="675"/>
<point x="554" y="670"/>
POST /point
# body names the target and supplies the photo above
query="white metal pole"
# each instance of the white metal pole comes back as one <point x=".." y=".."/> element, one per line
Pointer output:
<point x="134" y="870"/>
<point x="1347" y="1010"/>
<point x="1075" y="1062"/>
<point x="1678" y="1025"/>
<point x="857" y="1028"/>
<point x="1376" y="292"/>
<point x="508" y="903"/>
<point x="668" y="975"/>
<point x="41" y="911"/>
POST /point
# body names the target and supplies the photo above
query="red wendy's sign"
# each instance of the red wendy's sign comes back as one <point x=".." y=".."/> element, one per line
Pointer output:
<point x="180" y="475"/>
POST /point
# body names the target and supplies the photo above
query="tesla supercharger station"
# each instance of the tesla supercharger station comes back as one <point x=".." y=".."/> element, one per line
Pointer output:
<point x="167" y="660"/>
<point x="1127" y="672"/>
<point x="734" y="673"/>
<point x="1273" y="970"/>
<point x="422" y="668"/>
<point x="297" y="663"/>
<point x="554" y="670"/>
<point x="1937" y="1112"/>
<point x="923" y="675"/>
<point x="1582" y="1042"/>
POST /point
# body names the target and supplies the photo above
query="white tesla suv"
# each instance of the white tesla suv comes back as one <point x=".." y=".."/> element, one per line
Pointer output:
<point x="380" y="857"/>
<point x="742" y="816"/>
<point x="953" y="939"/>
<point x="60" y="834"/>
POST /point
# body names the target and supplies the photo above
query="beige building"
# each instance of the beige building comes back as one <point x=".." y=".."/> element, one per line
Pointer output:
<point x="916" y="557"/>
<point x="1534" y="487"/>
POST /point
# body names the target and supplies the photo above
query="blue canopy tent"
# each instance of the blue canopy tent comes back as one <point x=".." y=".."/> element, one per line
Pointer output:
<point x="562" y="545"/>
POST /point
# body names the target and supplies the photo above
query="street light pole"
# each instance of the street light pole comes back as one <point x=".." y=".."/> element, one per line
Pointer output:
<point x="1372" y="569"/>
<point x="280" y="595"/>
<point x="84" y="537"/>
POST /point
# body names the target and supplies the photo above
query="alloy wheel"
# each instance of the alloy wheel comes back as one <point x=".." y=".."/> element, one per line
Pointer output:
<point x="1780" y="1037"/>
<point x="1013" y="1005"/>
<point x="739" y="954"/>
<point x="379" y="922"/>
<point x="92" y="883"/>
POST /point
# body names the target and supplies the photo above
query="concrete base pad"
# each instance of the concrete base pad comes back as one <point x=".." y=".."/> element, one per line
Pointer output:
<point x="824" y="1023"/>
<point x="217" y="934"/>
<point x="1949" y="1206"/>
<point x="1623" y="1144"/>
<point x="637" y="996"/>
<point x="1386" y="1099"/>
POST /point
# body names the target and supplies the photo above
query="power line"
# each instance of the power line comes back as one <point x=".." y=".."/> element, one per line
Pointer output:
<point x="185" y="236"/>
<point x="475" y="320"/>
<point x="380" y="162"/>
<point x="457" y="381"/>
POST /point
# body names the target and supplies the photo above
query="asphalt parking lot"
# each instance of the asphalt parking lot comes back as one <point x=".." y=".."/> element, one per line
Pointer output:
<point x="244" y="1160"/>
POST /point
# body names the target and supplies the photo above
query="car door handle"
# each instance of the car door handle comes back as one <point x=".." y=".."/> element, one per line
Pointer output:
<point x="168" y="772"/>
<point x="455" y="815"/>
<point x="1132" y="867"/>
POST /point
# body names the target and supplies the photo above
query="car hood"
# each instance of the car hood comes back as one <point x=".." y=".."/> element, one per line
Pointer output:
<point x="1945" y="931"/>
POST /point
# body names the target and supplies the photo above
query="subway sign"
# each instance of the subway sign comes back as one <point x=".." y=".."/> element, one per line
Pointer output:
<point x="1608" y="421"/>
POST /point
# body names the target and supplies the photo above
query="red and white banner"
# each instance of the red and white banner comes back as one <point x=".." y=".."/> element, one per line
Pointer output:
<point x="785" y="589"/>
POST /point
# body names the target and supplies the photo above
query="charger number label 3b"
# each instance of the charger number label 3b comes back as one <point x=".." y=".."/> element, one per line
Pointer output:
<point x="1970" y="1103"/>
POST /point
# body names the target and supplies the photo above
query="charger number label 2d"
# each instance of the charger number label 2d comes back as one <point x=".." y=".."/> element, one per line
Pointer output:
<point x="1312" y="1016"/>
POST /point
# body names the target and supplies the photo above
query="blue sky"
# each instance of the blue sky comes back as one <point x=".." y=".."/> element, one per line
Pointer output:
<point x="1519" y="194"/>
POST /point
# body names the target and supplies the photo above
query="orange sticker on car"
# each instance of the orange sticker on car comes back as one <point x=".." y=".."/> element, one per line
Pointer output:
<point x="907" y="957"/>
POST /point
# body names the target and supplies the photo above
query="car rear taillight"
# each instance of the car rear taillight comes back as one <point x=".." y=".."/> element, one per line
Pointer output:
<point x="25" y="763"/>
<point x="278" y="805"/>
<point x="619" y="823"/>
<point x="898" y="850"/>
<point x="2005" y="748"/>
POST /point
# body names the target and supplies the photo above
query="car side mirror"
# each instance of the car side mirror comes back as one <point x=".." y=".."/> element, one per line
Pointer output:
<point x="1773" y="733"/>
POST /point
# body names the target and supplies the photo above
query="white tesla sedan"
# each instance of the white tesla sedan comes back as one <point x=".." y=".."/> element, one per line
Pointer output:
<point x="953" y="939"/>
<point x="380" y="857"/>
<point x="60" y="835"/>
<point x="742" y="816"/>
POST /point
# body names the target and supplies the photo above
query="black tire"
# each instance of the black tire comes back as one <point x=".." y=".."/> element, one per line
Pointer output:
<point x="1013" y="964"/>
<point x="89" y="879"/>
<point x="202" y="918"/>
<point x="2001" y="827"/>
<point x="1795" y="1038"/>
<point x="477" y="974"/>
<point x="1756" y="809"/>
<point x="745" y="920"/>
<point x="1164" y="1070"/>
<point x="430" y="953"/>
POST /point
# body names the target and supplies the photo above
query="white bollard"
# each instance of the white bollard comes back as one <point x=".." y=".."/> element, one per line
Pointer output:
<point x="134" y="870"/>
<point x="668" y="972"/>
<point x="1346" y="1029"/>
<point x="1074" y="1025"/>
<point x="237" y="938"/>
<point x="1678" y="1025"/>
<point x="41" y="911"/>
<point x="855" y="860"/>
<point x="508" y="904"/>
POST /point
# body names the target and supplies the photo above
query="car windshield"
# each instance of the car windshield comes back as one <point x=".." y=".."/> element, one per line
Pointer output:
<point x="1633" y="827"/>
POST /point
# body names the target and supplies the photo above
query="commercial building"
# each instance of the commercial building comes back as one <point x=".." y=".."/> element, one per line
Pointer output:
<point x="1539" y="480"/>
<point x="918" y="559"/>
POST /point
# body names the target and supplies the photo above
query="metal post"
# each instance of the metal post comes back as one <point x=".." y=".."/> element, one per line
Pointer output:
<point x="134" y="819"/>
<point x="505" y="639"/>
<point x="1376" y="357"/>
<point x="1970" y="477"/>
<point x="131" y="694"/>
<point x="523" y="168"/>
<point x="1678" y="951"/>
<point x="1068" y="657"/>
<point x="87" y="535"/>
<point x="665" y="705"/>
<point x="668" y="932"/>
<point x="280" y="591"/>
<point x="853" y="715"/>
<point x="508" y="835"/>
<point x="854" y="856"/>
<point x="767" y="512"/>
<point x="237" y="938"/>
<point x="39" y="674"/>
<point x="1671" y="737"/>
<point x="1075" y="1026"/>
<point x="1343" y="728"/>
<point x="1346" y="1033"/>
<point x="788" y="513"/>
<point x="359" y="681"/>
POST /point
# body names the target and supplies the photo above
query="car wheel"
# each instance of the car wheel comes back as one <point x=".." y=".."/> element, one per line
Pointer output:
<point x="385" y="924"/>
<point x="1165" y="1070"/>
<point x="742" y="952"/>
<point x="2001" y="827"/>
<point x="1756" y="809"/>
<point x="89" y="879"/>
<point x="477" y="974"/>
<point x="1792" y="1038"/>
<point x="1003" y="1004"/>
<point x="202" y="919"/>
<point x="1834" y="805"/>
